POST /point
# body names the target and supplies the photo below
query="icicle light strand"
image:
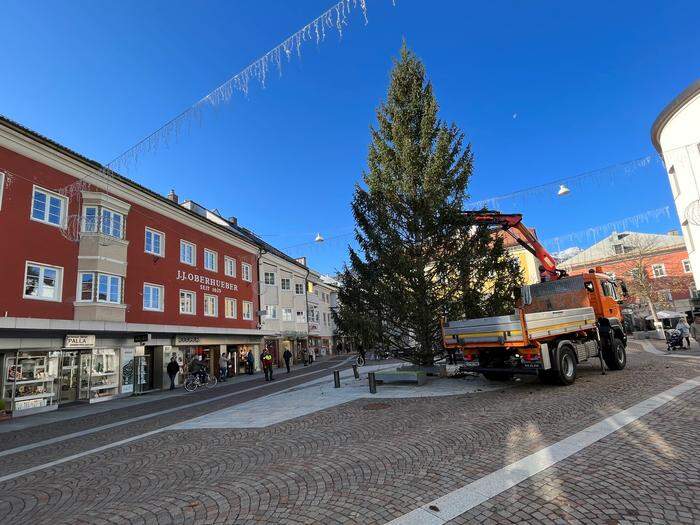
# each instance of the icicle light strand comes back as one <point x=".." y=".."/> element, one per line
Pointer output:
<point x="333" y="19"/>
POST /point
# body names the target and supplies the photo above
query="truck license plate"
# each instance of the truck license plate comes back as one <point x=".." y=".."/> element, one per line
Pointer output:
<point x="471" y="364"/>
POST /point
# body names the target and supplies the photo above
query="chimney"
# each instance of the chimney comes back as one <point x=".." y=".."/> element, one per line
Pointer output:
<point x="173" y="197"/>
<point x="673" y="232"/>
<point x="301" y="260"/>
<point x="233" y="220"/>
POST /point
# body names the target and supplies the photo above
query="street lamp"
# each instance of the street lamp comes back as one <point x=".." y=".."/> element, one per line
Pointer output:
<point x="563" y="190"/>
<point x="319" y="238"/>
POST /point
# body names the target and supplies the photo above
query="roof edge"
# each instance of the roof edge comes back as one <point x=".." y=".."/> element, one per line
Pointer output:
<point x="670" y="110"/>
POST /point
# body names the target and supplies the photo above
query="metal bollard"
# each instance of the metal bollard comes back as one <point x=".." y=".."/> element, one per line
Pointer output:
<point x="372" y="383"/>
<point x="355" y="371"/>
<point x="336" y="378"/>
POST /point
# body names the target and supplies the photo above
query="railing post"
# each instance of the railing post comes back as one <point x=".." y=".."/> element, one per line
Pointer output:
<point x="355" y="372"/>
<point x="372" y="383"/>
<point x="336" y="378"/>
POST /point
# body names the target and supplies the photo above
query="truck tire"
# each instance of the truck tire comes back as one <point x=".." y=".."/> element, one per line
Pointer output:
<point x="565" y="374"/>
<point x="498" y="376"/>
<point x="616" y="356"/>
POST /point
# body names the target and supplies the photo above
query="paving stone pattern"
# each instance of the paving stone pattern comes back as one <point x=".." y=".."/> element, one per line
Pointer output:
<point x="349" y="464"/>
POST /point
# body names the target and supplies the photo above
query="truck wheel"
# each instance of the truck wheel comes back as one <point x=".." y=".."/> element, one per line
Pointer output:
<point x="566" y="369"/>
<point x="615" y="357"/>
<point x="498" y="376"/>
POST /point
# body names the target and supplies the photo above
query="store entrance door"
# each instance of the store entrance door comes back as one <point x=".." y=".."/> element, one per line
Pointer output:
<point x="70" y="376"/>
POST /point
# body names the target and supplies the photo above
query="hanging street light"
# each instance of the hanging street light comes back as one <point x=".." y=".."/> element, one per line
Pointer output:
<point x="319" y="238"/>
<point x="563" y="190"/>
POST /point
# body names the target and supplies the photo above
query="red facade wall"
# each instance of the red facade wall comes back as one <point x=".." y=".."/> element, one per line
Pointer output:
<point x="26" y="240"/>
<point x="678" y="282"/>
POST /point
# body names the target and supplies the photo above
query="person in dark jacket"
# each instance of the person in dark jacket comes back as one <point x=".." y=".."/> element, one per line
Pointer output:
<point x="266" y="360"/>
<point x="250" y="360"/>
<point x="173" y="369"/>
<point x="287" y="359"/>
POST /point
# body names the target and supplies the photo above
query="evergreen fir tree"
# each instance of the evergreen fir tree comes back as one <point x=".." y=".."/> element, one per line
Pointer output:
<point x="419" y="257"/>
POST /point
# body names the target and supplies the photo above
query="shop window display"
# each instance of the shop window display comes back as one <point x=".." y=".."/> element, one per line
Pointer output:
<point x="29" y="381"/>
<point x="99" y="375"/>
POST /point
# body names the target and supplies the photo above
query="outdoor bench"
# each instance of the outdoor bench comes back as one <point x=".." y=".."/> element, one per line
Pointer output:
<point x="402" y="377"/>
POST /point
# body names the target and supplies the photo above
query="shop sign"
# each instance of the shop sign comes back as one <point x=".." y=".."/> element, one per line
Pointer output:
<point x="142" y="338"/>
<point x="187" y="340"/>
<point x="79" y="341"/>
<point x="207" y="284"/>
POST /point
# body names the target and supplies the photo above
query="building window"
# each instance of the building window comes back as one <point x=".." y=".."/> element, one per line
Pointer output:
<point x="188" y="253"/>
<point x="247" y="310"/>
<point x="153" y="297"/>
<point x="86" y="287"/>
<point x="231" y="308"/>
<point x="211" y="260"/>
<point x="109" y="289"/>
<point x="188" y="302"/>
<point x="271" y="311"/>
<point x="270" y="278"/>
<point x="154" y="242"/>
<point x="659" y="270"/>
<point x="686" y="266"/>
<point x="246" y="272"/>
<point x="286" y="283"/>
<point x="42" y="282"/>
<point x="49" y="207"/>
<point x="111" y="223"/>
<point x="299" y="288"/>
<point x="301" y="317"/>
<point x="211" y="305"/>
<point x="286" y="314"/>
<point x="229" y="266"/>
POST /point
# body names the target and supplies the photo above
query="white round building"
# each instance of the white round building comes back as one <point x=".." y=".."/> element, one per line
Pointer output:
<point x="676" y="136"/>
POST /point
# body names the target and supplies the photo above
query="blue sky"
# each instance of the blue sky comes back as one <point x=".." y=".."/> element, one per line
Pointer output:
<point x="585" y="80"/>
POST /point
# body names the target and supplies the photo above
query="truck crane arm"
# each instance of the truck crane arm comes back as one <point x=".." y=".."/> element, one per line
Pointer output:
<point x="514" y="221"/>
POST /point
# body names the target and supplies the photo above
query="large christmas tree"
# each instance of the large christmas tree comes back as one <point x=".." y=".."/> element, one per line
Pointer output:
<point x="419" y="257"/>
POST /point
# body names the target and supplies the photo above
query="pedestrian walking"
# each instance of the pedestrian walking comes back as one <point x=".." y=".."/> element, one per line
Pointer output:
<point x="266" y="359"/>
<point x="173" y="369"/>
<point x="312" y="355"/>
<point x="287" y="358"/>
<point x="684" y="328"/>
<point x="339" y="348"/>
<point x="250" y="361"/>
<point x="223" y="367"/>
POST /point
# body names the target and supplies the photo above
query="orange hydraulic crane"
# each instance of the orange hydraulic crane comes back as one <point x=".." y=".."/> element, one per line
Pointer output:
<point x="526" y="239"/>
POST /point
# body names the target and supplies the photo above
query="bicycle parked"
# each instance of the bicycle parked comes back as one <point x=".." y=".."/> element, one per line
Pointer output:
<point x="197" y="380"/>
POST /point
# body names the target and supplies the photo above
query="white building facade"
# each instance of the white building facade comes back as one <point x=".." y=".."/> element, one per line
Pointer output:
<point x="676" y="136"/>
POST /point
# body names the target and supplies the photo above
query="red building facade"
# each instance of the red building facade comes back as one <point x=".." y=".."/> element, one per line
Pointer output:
<point x="105" y="281"/>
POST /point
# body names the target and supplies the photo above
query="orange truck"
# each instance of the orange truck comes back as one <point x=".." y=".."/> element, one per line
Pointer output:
<point x="558" y="323"/>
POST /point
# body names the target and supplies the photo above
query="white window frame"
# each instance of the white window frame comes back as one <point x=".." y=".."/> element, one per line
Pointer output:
<point x="194" y="252"/>
<point x="271" y="309"/>
<point x="272" y="278"/>
<point x="685" y="263"/>
<point x="193" y="300"/>
<point x="287" y="315"/>
<point x="162" y="241"/>
<point x="297" y="287"/>
<point x="234" y="302"/>
<point x="301" y="318"/>
<point x="229" y="266"/>
<point x="59" y="282"/>
<point x="216" y="305"/>
<point x="247" y="272"/>
<point x="247" y="310"/>
<point x="79" y="292"/>
<point x="210" y="253"/>
<point x="663" y="270"/>
<point x="94" y="227"/>
<point x="109" y="286"/>
<point x="110" y="224"/>
<point x="161" y="297"/>
<point x="49" y="193"/>
<point x="288" y="280"/>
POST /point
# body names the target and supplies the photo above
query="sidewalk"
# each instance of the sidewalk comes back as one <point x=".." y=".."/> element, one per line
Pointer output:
<point x="78" y="409"/>
<point x="661" y="345"/>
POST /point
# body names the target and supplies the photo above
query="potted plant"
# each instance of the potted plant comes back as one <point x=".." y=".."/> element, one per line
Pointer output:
<point x="3" y="414"/>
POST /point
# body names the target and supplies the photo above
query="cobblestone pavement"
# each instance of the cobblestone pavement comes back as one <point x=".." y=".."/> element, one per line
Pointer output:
<point x="372" y="461"/>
